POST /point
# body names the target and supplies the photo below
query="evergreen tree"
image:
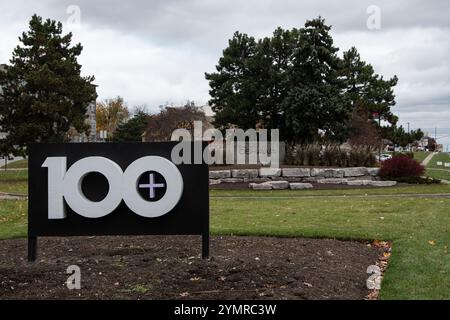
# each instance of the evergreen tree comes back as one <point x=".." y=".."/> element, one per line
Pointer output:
<point x="132" y="130"/>
<point x="316" y="100"/>
<point x="400" y="137"/>
<point x="43" y="91"/>
<point x="294" y="81"/>
<point x="234" y="87"/>
<point x="252" y="80"/>
<point x="276" y="54"/>
<point x="367" y="89"/>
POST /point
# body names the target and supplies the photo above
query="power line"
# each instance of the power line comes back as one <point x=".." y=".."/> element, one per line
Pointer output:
<point x="444" y="136"/>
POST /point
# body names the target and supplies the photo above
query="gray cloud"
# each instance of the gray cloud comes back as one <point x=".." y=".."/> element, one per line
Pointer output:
<point x="157" y="51"/>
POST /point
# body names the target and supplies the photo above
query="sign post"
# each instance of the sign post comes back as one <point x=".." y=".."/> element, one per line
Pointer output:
<point x="85" y="189"/>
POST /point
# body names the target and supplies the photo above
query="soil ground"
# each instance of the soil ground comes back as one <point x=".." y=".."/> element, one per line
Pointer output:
<point x="170" y="267"/>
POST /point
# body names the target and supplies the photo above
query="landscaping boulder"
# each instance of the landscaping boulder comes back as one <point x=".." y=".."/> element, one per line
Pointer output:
<point x="260" y="186"/>
<point x="269" y="185"/>
<point x="332" y="181"/>
<point x="310" y="179"/>
<point x="257" y="180"/>
<point x="296" y="172"/>
<point x="220" y="174"/>
<point x="300" y="185"/>
<point x="270" y="172"/>
<point x="244" y="173"/>
<point x="355" y="172"/>
<point x="214" y="181"/>
<point x="358" y="182"/>
<point x="373" y="171"/>
<point x="232" y="180"/>
<point x="371" y="183"/>
<point x="278" y="185"/>
<point x="383" y="183"/>
<point x="327" y="173"/>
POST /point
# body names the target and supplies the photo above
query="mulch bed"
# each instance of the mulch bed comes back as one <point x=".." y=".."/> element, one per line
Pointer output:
<point x="161" y="267"/>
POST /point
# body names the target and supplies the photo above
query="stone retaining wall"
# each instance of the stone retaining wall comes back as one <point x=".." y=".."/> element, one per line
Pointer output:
<point x="308" y="175"/>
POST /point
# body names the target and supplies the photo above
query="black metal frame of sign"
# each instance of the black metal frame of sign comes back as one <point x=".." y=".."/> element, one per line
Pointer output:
<point x="189" y="216"/>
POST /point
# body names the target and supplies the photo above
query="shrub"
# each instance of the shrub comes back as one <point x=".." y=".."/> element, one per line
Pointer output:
<point x="332" y="156"/>
<point x="401" y="166"/>
<point x="299" y="156"/>
<point x="295" y="155"/>
<point x="313" y="155"/>
<point x="361" y="156"/>
<point x="329" y="155"/>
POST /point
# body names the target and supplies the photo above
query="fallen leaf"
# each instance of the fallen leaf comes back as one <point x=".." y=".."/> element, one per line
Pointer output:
<point x="432" y="242"/>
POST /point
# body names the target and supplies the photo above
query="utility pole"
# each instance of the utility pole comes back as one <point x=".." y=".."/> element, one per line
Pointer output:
<point x="409" y="147"/>
<point x="435" y="139"/>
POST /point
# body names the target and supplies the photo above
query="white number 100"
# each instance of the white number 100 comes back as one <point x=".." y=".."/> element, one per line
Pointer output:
<point x="66" y="184"/>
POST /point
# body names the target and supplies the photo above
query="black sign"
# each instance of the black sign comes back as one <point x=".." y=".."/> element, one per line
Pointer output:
<point x="82" y="189"/>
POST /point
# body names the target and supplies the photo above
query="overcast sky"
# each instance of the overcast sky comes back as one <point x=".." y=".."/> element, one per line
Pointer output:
<point x="152" y="52"/>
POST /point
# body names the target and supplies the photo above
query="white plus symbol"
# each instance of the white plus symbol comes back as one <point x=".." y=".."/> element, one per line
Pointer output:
<point x="152" y="185"/>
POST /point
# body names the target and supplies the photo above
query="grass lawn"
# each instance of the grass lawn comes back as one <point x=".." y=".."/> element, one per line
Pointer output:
<point x="441" y="156"/>
<point x="19" y="164"/>
<point x="421" y="155"/>
<point x="13" y="218"/>
<point x="419" y="267"/>
<point x="438" y="174"/>
<point x="15" y="181"/>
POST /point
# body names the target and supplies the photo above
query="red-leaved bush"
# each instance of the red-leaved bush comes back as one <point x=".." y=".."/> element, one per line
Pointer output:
<point x="401" y="166"/>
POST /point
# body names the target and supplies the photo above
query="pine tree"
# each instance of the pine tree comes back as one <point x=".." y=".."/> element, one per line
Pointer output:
<point x="294" y="81"/>
<point x="367" y="89"/>
<point x="234" y="87"/>
<point x="276" y="54"/>
<point x="132" y="130"/>
<point x="316" y="100"/>
<point x="43" y="91"/>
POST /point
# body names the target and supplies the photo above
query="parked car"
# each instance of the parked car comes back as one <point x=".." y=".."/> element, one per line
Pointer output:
<point x="384" y="157"/>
